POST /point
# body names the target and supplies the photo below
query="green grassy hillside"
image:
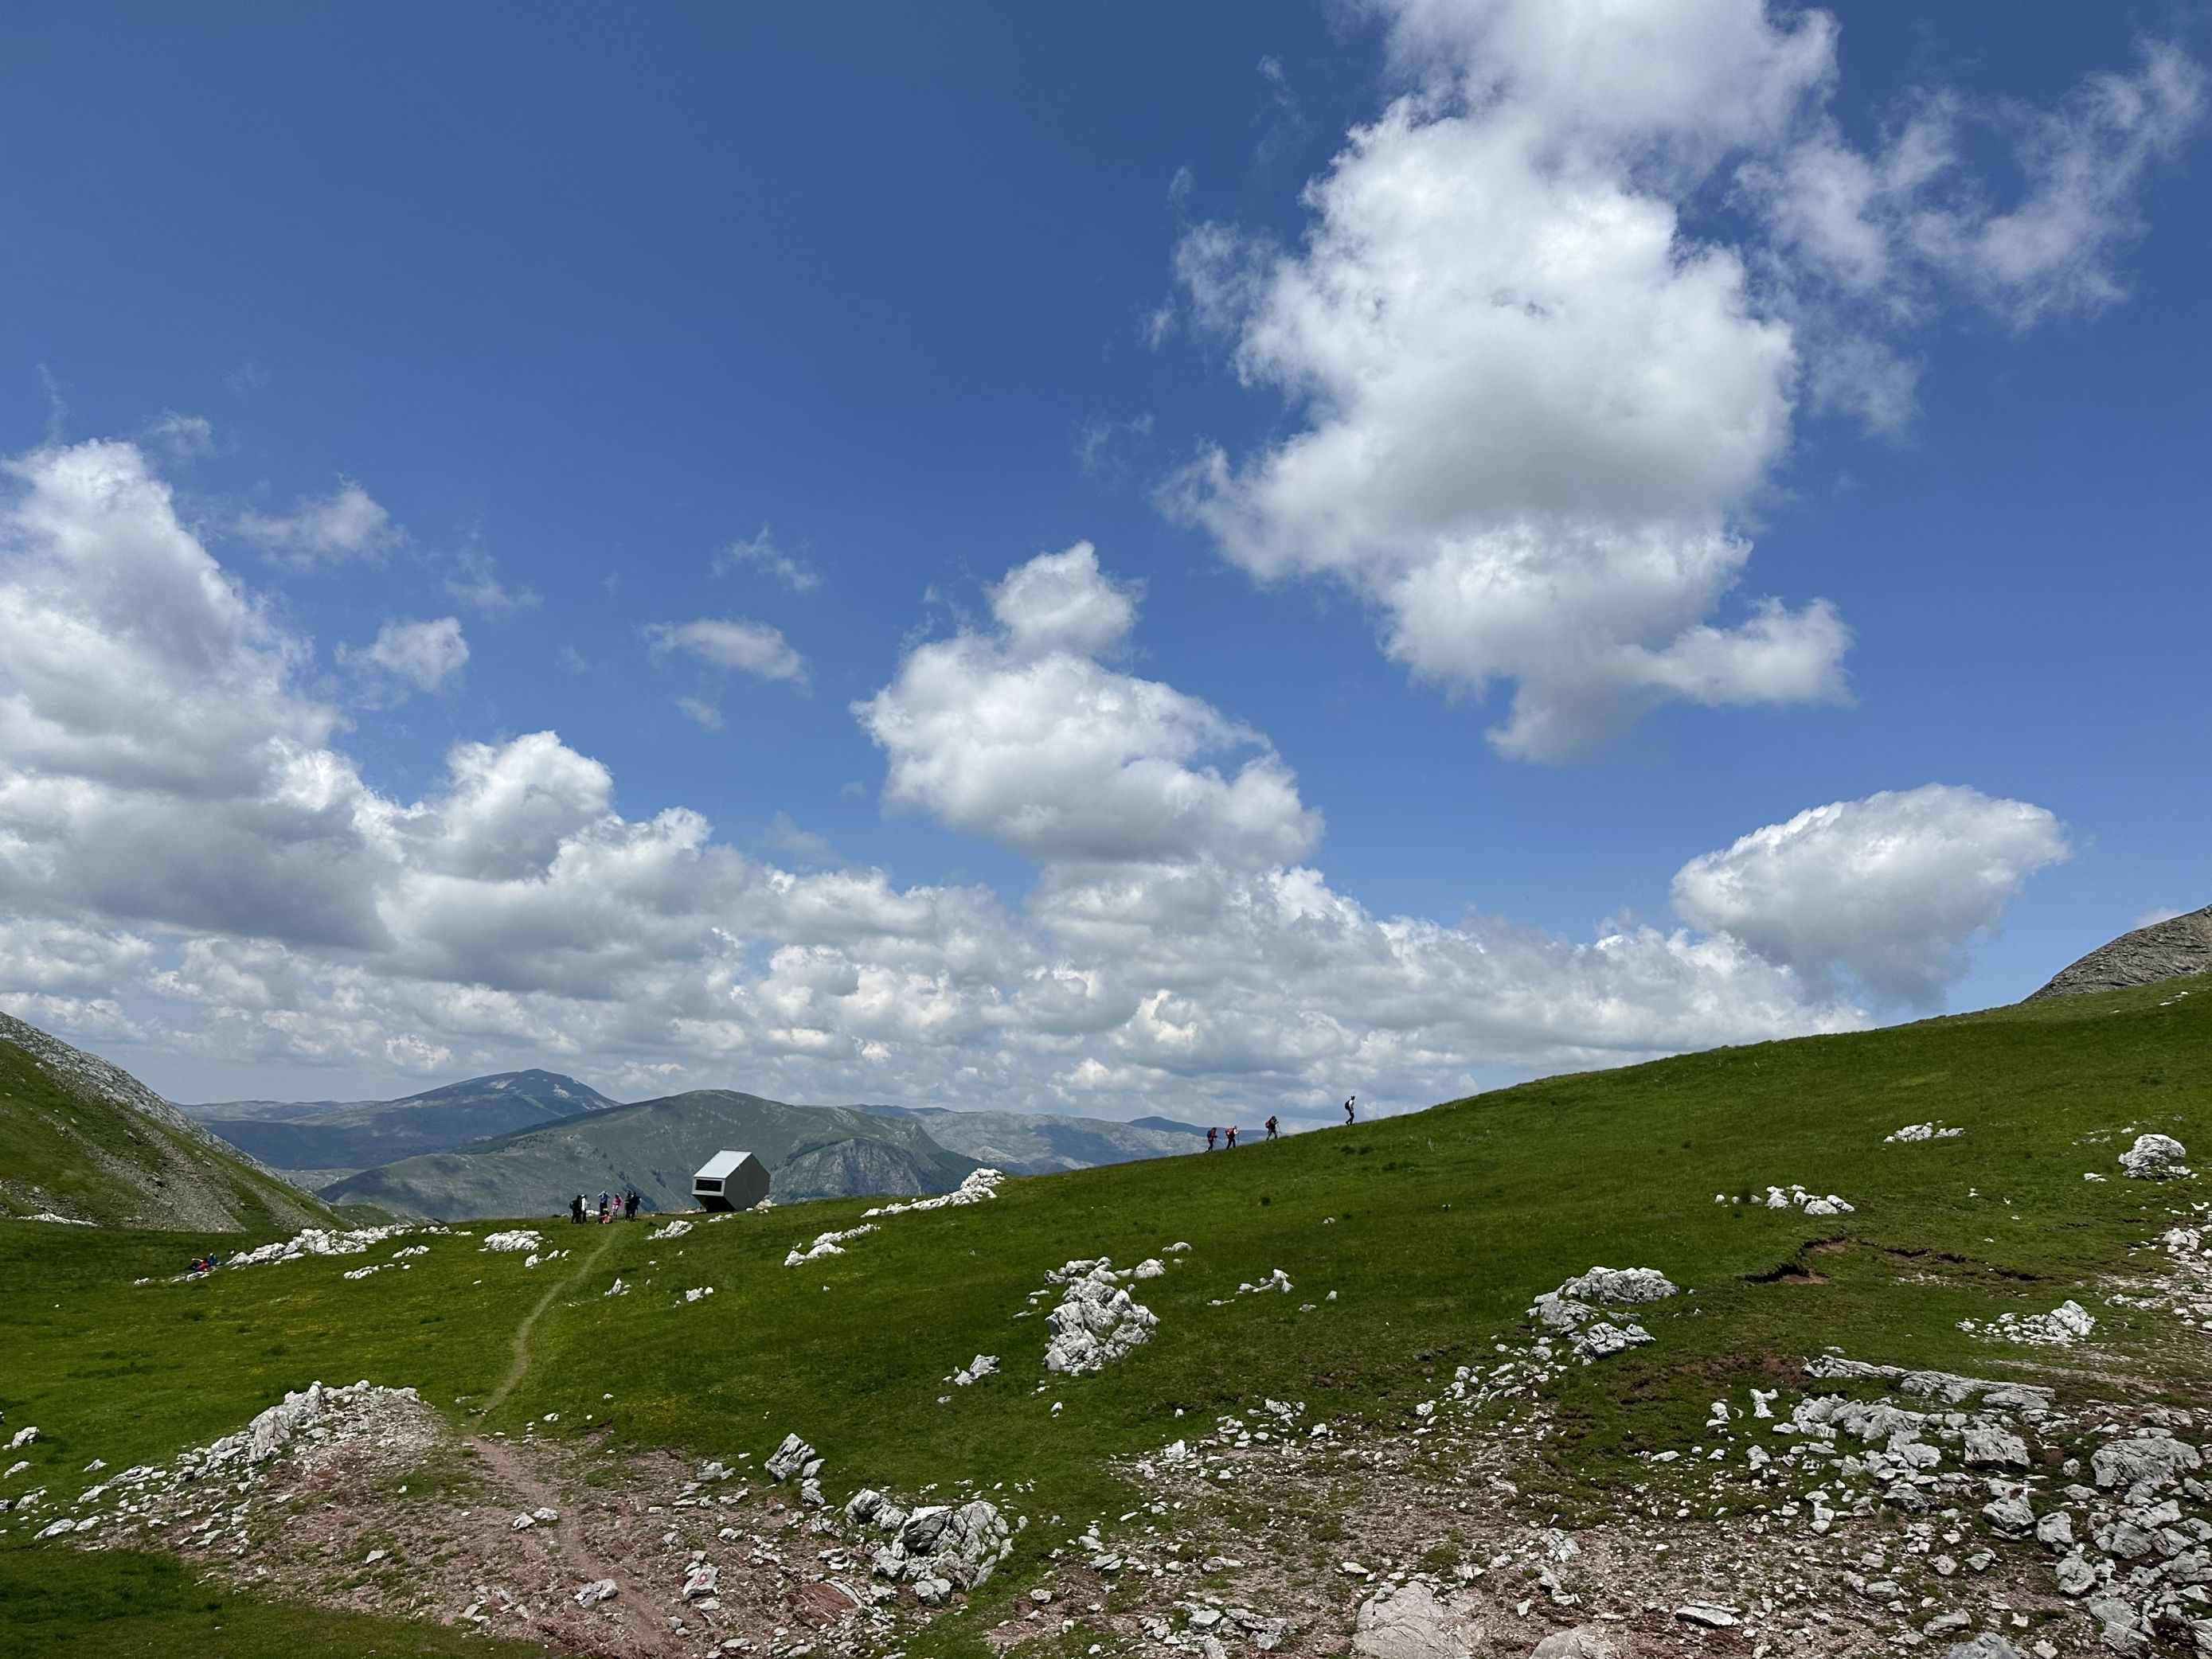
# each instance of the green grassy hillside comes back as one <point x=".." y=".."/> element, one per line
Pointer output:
<point x="80" y="1139"/>
<point x="1417" y="1242"/>
<point x="654" y="1146"/>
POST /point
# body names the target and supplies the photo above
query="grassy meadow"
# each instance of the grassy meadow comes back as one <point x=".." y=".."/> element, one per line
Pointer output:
<point x="1434" y="1230"/>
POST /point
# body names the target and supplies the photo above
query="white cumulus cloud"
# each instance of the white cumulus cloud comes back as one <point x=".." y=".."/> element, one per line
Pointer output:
<point x="1023" y="736"/>
<point x="190" y="865"/>
<point x="1890" y="889"/>
<point x="1535" y="394"/>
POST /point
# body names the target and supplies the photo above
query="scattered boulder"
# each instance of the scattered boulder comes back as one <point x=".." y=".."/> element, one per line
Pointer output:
<point x="2146" y="1464"/>
<point x="828" y="1244"/>
<point x="2063" y="1326"/>
<point x="2009" y="1517"/>
<point x="1583" y="1642"/>
<point x="599" y="1590"/>
<point x="1575" y="1304"/>
<point x="1994" y="1449"/>
<point x="1710" y="1615"/>
<point x="789" y="1459"/>
<point x="1601" y="1340"/>
<point x="1629" y="1285"/>
<point x="1988" y="1645"/>
<point x="1407" y="1621"/>
<point x="936" y="1544"/>
<point x="2154" y="1158"/>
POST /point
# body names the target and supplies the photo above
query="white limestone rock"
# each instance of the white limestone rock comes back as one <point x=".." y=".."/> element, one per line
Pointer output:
<point x="1994" y="1449"/>
<point x="1096" y="1322"/>
<point x="1407" y="1621"/>
<point x="2154" y="1158"/>
<point x="2146" y="1465"/>
<point x="789" y="1458"/>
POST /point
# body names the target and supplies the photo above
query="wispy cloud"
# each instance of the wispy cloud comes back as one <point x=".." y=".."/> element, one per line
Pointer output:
<point x="476" y="585"/>
<point x="349" y="523"/>
<point x="750" y="647"/>
<point x="760" y="553"/>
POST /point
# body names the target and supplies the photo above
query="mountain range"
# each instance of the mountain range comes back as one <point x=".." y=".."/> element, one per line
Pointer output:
<point x="467" y="1149"/>
<point x="320" y="1142"/>
<point x="653" y="1147"/>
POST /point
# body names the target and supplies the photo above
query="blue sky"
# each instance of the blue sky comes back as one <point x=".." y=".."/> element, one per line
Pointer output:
<point x="505" y="328"/>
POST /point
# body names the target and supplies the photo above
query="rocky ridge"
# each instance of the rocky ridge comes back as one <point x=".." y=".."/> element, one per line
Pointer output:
<point x="2172" y="949"/>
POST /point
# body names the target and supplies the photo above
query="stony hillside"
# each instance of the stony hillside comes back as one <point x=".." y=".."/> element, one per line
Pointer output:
<point x="653" y="1147"/>
<point x="334" y="1139"/>
<point x="2166" y="950"/>
<point x="1878" y="1343"/>
<point x="84" y="1141"/>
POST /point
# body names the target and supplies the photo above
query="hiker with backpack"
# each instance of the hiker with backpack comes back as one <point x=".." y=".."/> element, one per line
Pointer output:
<point x="1271" y="1128"/>
<point x="1209" y="1134"/>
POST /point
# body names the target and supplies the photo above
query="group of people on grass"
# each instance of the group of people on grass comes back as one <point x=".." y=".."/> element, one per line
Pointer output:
<point x="1214" y="1137"/>
<point x="611" y="1208"/>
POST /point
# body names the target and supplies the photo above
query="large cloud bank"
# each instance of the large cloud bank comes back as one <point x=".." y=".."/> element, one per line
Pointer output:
<point x="1538" y="382"/>
<point x="191" y="863"/>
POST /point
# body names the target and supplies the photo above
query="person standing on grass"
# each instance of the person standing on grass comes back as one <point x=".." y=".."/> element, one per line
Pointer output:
<point x="629" y="1207"/>
<point x="1209" y="1134"/>
<point x="576" y="1211"/>
<point x="1347" y="1110"/>
<point x="1271" y="1128"/>
<point x="606" y="1203"/>
<point x="1232" y="1137"/>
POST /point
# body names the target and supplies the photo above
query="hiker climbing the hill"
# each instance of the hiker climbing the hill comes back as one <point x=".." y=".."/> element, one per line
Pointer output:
<point x="629" y="1207"/>
<point x="1232" y="1137"/>
<point x="576" y="1211"/>
<point x="1271" y="1128"/>
<point x="1347" y="1107"/>
<point x="1209" y="1134"/>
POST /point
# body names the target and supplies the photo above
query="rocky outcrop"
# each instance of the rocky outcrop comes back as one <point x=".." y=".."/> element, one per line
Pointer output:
<point x="1575" y="1308"/>
<point x="1095" y="1322"/>
<point x="2165" y="950"/>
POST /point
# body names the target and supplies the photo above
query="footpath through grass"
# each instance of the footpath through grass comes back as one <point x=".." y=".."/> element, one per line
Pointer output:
<point x="1434" y="1232"/>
